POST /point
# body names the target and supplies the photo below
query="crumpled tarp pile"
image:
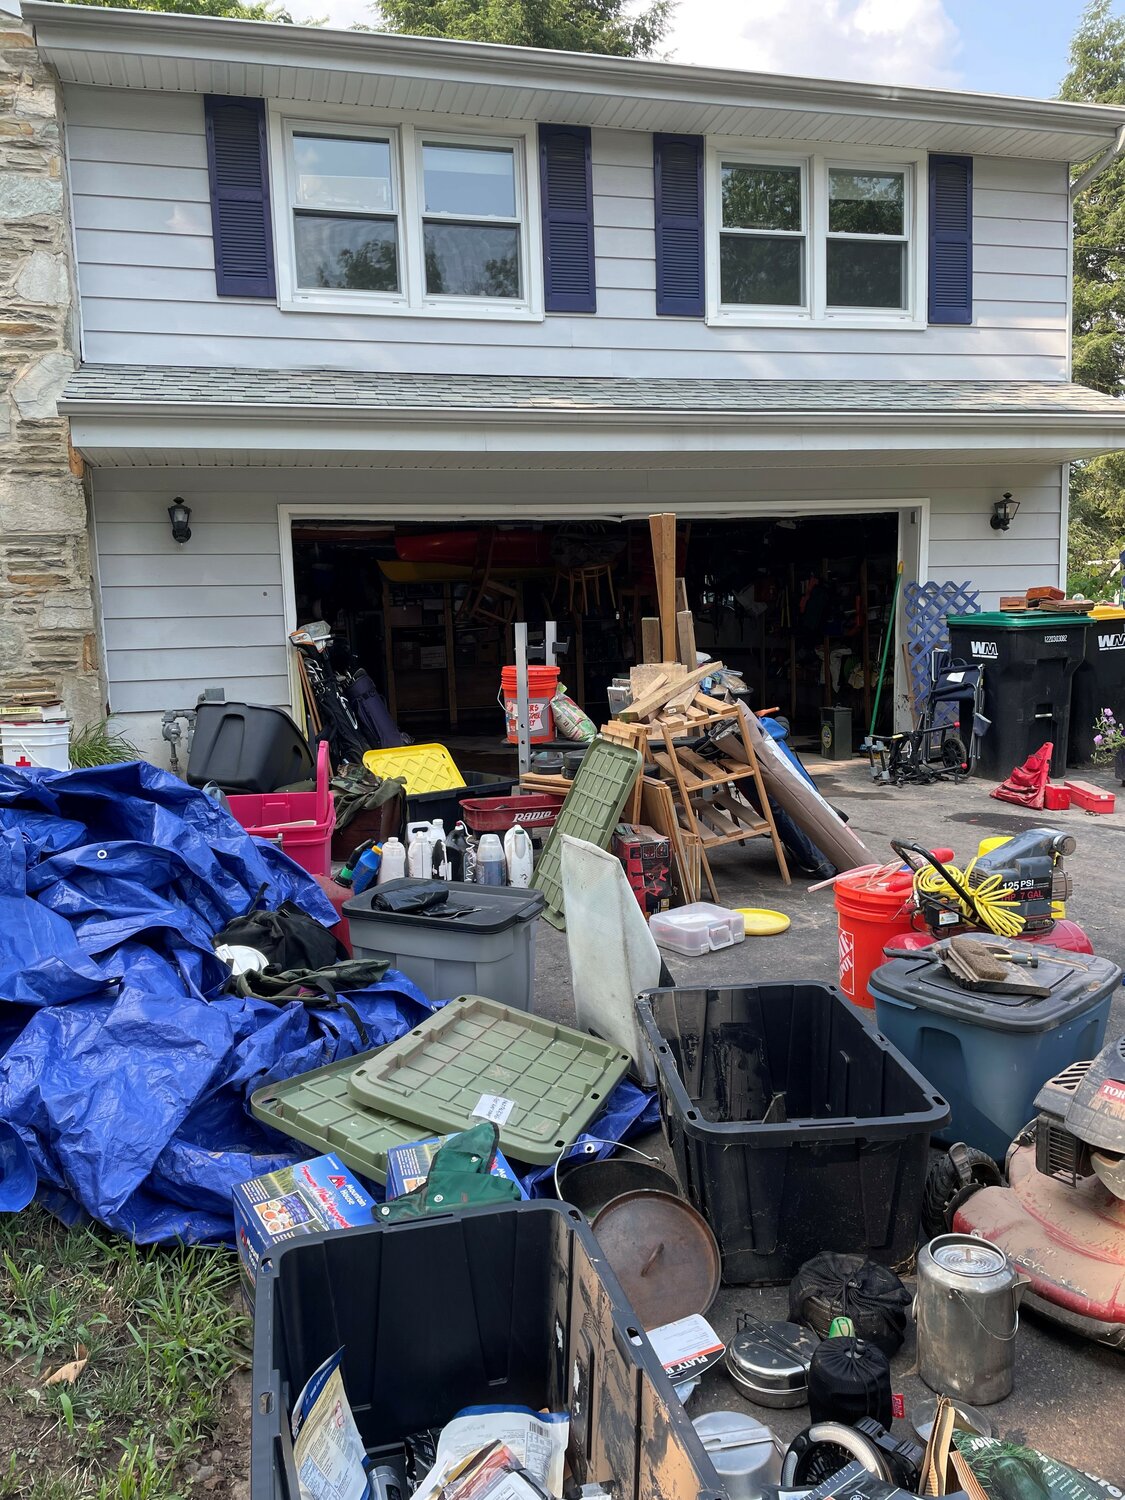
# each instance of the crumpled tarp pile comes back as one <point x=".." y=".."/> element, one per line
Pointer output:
<point x="125" y="1068"/>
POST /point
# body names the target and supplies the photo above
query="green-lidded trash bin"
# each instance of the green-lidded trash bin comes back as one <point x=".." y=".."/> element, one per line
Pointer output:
<point x="1099" y="682"/>
<point x="1030" y="661"/>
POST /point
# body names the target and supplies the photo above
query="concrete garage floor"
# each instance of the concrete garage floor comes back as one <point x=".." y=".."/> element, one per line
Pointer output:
<point x="1069" y="1395"/>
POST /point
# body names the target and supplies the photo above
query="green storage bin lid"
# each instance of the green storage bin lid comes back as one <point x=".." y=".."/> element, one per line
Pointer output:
<point x="997" y="620"/>
<point x="593" y="805"/>
<point x="543" y="1083"/>
<point x="316" y="1109"/>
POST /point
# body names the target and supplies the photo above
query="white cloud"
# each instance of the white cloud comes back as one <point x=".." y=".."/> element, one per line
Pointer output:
<point x="875" y="41"/>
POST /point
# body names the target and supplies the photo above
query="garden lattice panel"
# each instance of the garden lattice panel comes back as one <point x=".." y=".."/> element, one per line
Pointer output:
<point x="927" y="605"/>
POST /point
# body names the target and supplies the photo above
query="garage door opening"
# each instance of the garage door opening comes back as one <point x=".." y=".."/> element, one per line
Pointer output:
<point x="798" y="606"/>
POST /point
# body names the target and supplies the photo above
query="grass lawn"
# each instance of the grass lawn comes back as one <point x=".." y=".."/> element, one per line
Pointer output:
<point x="162" y="1333"/>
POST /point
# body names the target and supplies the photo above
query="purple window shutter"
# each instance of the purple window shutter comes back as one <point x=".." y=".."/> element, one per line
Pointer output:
<point x="951" y="239"/>
<point x="568" y="219"/>
<point x="238" y="169"/>
<point x="678" y="188"/>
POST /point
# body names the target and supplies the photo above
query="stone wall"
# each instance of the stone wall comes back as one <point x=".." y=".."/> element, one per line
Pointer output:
<point x="48" y="632"/>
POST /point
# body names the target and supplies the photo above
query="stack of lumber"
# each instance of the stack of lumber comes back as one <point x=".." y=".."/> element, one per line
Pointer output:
<point x="1048" y="599"/>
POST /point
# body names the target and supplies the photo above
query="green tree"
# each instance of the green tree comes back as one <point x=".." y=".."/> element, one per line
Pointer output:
<point x="1096" y="75"/>
<point x="238" y="10"/>
<point x="608" y="26"/>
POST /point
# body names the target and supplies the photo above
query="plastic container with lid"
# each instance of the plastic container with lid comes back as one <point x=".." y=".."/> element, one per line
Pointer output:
<point x="990" y="1054"/>
<point x="698" y="928"/>
<point x="1099" y="682"/>
<point x="1030" y="661"/>
<point x="482" y="942"/>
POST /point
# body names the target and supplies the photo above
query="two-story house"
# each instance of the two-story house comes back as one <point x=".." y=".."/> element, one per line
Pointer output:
<point x="350" y="296"/>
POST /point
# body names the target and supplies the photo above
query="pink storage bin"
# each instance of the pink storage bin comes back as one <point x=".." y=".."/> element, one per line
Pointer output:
<point x="301" y="822"/>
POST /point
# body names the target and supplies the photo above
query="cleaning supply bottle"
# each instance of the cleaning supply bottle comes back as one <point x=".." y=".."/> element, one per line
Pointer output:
<point x="490" y="869"/>
<point x="366" y="869"/>
<point x="456" y="847"/>
<point x="393" y="865"/>
<point x="419" y="850"/>
<point x="518" y="855"/>
<point x="440" y="867"/>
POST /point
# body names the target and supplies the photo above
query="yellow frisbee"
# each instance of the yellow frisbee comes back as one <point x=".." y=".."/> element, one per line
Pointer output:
<point x="761" y="922"/>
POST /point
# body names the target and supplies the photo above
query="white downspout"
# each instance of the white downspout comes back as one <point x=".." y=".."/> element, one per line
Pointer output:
<point x="1095" y="169"/>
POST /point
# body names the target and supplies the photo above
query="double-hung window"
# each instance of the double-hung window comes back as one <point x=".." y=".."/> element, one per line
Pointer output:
<point x="762" y="241"/>
<point x="407" y="219"/>
<point x="813" y="239"/>
<point x="345" y="212"/>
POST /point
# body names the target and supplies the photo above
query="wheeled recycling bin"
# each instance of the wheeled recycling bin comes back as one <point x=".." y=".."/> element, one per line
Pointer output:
<point x="488" y="1306"/>
<point x="1029" y="662"/>
<point x="991" y="1054"/>
<point x="1099" y="682"/>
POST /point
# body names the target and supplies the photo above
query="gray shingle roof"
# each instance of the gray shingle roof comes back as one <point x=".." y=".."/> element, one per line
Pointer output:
<point x="101" y="386"/>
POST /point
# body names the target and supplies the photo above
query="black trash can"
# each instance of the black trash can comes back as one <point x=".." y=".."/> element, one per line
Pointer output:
<point x="1029" y="663"/>
<point x="1099" y="682"/>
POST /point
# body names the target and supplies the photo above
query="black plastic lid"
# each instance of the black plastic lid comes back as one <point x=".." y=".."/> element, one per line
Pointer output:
<point x="1077" y="981"/>
<point x="487" y="908"/>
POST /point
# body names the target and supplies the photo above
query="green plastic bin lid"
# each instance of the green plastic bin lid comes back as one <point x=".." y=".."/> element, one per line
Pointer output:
<point x="540" y="1082"/>
<point x="998" y="620"/>
<point x="316" y="1109"/>
<point x="592" y="808"/>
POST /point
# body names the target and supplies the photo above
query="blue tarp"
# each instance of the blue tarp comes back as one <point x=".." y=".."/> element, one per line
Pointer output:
<point x="125" y="1069"/>
<point x="123" y="1066"/>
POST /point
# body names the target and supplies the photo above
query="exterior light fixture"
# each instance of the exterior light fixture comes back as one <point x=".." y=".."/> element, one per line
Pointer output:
<point x="1004" y="512"/>
<point x="180" y="516"/>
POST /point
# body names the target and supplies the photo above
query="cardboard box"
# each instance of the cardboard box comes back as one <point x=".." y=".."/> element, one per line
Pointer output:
<point x="409" y="1166"/>
<point x="647" y="858"/>
<point x="295" y="1201"/>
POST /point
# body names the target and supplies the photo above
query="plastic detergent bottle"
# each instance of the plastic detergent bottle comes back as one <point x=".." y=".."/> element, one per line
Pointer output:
<point x="367" y="869"/>
<point x="393" y="866"/>
<point x="440" y="868"/>
<point x="518" y="855"/>
<point x="490" y="861"/>
<point x="419" y="850"/>
<point x="456" y="847"/>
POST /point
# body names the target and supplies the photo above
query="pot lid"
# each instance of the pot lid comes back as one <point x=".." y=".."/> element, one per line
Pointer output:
<point x="725" y="1432"/>
<point x="773" y="1356"/>
<point x="969" y="1257"/>
<point x="663" y="1253"/>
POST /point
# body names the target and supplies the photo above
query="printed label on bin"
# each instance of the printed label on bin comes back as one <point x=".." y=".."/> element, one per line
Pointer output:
<point x="495" y="1108"/>
<point x="689" y="1344"/>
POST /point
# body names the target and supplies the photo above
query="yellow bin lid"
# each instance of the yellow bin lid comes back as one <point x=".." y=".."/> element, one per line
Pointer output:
<point x="1107" y="612"/>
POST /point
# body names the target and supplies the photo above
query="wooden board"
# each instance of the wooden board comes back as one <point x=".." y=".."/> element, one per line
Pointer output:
<point x="685" y="637"/>
<point x="651" y="702"/>
<point x="662" y="529"/>
<point x="651" y="675"/>
<point x="650" y="639"/>
<point x="658" y="810"/>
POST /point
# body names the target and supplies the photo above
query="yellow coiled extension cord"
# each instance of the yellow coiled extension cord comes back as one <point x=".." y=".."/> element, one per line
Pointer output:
<point x="989" y="905"/>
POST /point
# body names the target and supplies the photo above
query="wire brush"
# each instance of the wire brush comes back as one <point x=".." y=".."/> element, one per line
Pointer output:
<point x="989" y="904"/>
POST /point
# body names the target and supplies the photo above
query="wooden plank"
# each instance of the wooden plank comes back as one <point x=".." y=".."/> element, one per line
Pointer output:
<point x="650" y="639"/>
<point x="662" y="529"/>
<point x="652" y="702"/>
<point x="658" y="810"/>
<point x="681" y="600"/>
<point x="685" y="636"/>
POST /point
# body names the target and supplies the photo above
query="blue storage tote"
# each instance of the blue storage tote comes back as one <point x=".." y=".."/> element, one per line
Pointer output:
<point x="989" y="1055"/>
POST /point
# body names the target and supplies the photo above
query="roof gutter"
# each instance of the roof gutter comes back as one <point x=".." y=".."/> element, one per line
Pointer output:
<point x="1107" y="158"/>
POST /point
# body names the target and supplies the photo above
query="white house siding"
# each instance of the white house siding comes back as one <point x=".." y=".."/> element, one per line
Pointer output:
<point x="143" y="228"/>
<point x="181" y="618"/>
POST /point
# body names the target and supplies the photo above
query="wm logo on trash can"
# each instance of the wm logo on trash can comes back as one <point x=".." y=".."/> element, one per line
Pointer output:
<point x="1112" y="642"/>
<point x="988" y="649"/>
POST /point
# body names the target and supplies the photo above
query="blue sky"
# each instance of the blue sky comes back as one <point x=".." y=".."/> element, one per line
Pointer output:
<point x="997" y="46"/>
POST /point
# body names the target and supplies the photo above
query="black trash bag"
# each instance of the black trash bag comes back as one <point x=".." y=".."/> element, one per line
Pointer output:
<point x="850" y="1286"/>
<point x="429" y="896"/>
<point x="288" y="938"/>
<point x="849" y="1379"/>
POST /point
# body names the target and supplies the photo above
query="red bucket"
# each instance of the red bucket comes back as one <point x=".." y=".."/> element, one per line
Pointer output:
<point x="541" y="685"/>
<point x="872" y="907"/>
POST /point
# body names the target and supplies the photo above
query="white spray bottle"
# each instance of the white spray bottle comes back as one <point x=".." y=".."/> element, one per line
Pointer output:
<point x="519" y="856"/>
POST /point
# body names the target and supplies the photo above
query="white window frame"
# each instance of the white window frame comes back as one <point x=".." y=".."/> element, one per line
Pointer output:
<point x="407" y="134"/>
<point x="765" y="310"/>
<point x="341" y="295"/>
<point x="816" y="162"/>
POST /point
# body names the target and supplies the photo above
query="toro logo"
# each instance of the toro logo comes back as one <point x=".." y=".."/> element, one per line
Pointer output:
<point x="1112" y="1091"/>
<point x="1112" y="642"/>
<point x="987" y="649"/>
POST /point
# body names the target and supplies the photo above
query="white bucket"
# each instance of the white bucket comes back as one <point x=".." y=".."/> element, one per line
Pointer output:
<point x="36" y="742"/>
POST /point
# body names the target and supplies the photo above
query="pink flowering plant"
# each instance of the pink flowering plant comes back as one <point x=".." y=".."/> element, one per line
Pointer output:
<point x="1109" y="737"/>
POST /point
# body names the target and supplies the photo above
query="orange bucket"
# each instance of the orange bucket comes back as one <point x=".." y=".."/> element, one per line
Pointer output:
<point x="872" y="907"/>
<point x="541" y="685"/>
